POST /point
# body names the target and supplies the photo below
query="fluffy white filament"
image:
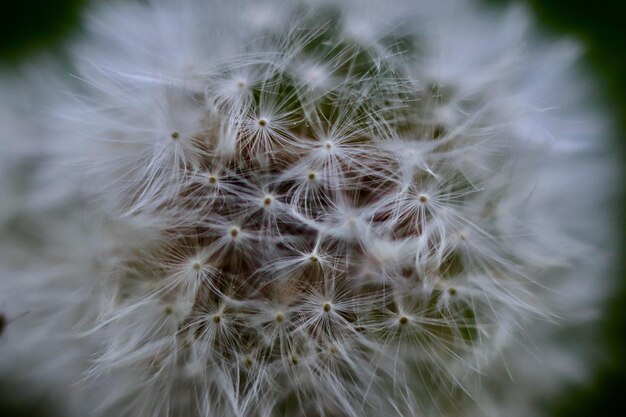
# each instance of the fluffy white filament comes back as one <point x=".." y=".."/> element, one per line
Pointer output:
<point x="259" y="209"/>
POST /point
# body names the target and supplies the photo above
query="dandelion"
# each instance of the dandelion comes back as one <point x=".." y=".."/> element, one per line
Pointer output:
<point x="326" y="209"/>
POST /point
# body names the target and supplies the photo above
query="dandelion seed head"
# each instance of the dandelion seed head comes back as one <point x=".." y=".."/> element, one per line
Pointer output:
<point x="309" y="209"/>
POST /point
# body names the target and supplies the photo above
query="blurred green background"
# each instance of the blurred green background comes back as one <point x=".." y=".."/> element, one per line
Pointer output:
<point x="28" y="27"/>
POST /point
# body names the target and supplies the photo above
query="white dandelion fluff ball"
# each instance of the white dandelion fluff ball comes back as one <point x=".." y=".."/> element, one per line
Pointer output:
<point x="259" y="208"/>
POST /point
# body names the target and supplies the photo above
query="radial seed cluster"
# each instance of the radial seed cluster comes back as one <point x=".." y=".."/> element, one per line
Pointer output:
<point x="317" y="218"/>
<point x="329" y="225"/>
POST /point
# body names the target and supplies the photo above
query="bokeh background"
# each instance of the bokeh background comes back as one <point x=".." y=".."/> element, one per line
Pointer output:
<point x="28" y="27"/>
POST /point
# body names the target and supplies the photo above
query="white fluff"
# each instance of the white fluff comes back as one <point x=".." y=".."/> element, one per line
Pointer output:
<point x="358" y="208"/>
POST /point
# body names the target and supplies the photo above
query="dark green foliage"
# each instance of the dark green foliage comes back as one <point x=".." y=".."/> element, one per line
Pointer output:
<point x="27" y="26"/>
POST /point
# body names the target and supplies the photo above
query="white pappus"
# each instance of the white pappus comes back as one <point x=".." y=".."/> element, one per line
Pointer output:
<point x="329" y="208"/>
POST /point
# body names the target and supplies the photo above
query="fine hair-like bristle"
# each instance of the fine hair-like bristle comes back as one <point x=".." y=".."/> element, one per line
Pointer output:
<point x="325" y="209"/>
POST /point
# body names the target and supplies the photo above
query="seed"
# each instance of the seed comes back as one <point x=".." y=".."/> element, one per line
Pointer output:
<point x="248" y="361"/>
